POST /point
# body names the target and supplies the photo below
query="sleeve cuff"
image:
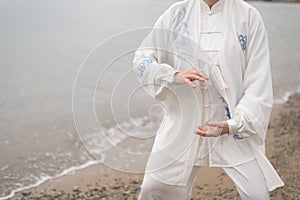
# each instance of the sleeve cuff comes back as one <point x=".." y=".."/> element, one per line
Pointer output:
<point x="169" y="79"/>
<point x="232" y="126"/>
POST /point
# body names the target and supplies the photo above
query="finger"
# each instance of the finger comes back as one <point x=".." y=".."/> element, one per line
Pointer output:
<point x="201" y="74"/>
<point x="195" y="77"/>
<point x="209" y="123"/>
<point x="204" y="75"/>
<point x="215" y="124"/>
<point x="190" y="83"/>
<point x="193" y="71"/>
<point x="201" y="133"/>
<point x="202" y="128"/>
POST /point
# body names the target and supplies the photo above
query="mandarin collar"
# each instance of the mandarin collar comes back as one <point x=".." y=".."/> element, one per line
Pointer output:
<point x="218" y="6"/>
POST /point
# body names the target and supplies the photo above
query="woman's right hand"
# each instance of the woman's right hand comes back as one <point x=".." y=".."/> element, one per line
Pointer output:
<point x="190" y="75"/>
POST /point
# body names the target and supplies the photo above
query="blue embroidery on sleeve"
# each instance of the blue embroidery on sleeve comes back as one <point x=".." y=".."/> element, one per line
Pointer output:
<point x="243" y="42"/>
<point x="142" y="66"/>
<point x="228" y="115"/>
<point x="237" y="137"/>
<point x="227" y="112"/>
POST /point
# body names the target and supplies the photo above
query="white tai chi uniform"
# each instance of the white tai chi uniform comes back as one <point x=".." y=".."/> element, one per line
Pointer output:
<point x="170" y="173"/>
<point x="247" y="178"/>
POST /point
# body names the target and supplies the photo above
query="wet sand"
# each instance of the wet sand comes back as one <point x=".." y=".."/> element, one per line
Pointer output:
<point x="100" y="182"/>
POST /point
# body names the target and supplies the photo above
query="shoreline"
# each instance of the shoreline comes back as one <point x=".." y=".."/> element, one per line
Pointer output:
<point x="99" y="181"/>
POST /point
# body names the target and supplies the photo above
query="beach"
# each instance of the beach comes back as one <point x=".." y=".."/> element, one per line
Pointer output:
<point x="100" y="182"/>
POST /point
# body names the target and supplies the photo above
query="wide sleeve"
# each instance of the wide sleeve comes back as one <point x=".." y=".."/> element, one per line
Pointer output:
<point x="252" y="114"/>
<point x="155" y="74"/>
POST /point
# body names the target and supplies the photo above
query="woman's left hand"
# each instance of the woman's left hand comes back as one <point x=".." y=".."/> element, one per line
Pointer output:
<point x="213" y="129"/>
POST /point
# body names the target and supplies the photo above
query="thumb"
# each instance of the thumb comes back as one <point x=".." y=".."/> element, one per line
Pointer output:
<point x="211" y="123"/>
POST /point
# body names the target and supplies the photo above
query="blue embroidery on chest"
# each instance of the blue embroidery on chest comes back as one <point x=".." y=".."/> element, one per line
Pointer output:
<point x="182" y="43"/>
<point x="178" y="14"/>
<point x="228" y="115"/>
<point x="243" y="42"/>
<point x="142" y="66"/>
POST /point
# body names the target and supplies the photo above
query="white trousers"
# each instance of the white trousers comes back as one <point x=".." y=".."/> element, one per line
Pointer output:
<point x="247" y="178"/>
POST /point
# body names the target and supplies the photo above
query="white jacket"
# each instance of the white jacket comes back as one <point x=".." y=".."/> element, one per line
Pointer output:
<point x="242" y="78"/>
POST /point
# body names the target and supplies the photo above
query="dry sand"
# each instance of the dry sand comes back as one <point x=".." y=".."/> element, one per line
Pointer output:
<point x="100" y="182"/>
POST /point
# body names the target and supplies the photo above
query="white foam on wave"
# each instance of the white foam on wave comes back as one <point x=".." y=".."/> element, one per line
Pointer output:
<point x="45" y="178"/>
<point x="286" y="96"/>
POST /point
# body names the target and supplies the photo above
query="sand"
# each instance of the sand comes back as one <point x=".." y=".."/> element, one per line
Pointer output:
<point x="100" y="182"/>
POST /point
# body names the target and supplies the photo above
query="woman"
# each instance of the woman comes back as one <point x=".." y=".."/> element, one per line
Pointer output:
<point x="208" y="63"/>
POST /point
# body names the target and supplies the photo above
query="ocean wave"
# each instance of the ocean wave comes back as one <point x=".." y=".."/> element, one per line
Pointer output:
<point x="46" y="178"/>
<point x="285" y="97"/>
